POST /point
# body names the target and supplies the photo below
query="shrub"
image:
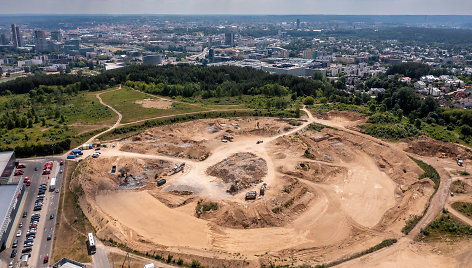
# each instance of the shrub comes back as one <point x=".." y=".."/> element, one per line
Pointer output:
<point x="195" y="264"/>
<point x="309" y="100"/>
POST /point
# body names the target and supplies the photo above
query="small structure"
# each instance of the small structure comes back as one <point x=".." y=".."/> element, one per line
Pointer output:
<point x="68" y="263"/>
<point x="251" y="195"/>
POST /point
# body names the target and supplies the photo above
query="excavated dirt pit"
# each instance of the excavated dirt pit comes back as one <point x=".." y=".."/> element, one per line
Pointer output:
<point x="329" y="193"/>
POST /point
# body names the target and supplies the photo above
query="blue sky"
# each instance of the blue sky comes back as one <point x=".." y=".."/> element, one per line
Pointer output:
<point x="430" y="7"/>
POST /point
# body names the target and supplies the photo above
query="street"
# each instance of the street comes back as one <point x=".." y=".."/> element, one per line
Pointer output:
<point x="42" y="247"/>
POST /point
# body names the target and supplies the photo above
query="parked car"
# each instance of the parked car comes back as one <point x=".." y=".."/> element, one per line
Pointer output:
<point x="51" y="216"/>
<point x="26" y="250"/>
<point x="15" y="243"/>
<point x="46" y="259"/>
<point x="61" y="163"/>
<point x="21" y="166"/>
<point x="13" y="253"/>
<point x="20" y="225"/>
<point x="49" y="237"/>
<point x="25" y="214"/>
<point x="18" y="234"/>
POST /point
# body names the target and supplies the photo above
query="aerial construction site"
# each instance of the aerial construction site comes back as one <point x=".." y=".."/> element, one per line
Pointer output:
<point x="258" y="191"/>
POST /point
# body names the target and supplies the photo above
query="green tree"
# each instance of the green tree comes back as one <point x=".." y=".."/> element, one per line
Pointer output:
<point x="309" y="100"/>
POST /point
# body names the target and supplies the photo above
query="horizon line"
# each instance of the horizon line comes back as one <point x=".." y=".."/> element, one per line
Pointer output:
<point x="214" y="14"/>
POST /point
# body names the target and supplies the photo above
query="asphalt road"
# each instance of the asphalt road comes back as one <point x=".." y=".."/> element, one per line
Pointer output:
<point x="42" y="247"/>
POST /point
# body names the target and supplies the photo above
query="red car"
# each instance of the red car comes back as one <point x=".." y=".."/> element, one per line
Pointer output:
<point x="46" y="171"/>
<point x="46" y="259"/>
<point x="61" y="163"/>
<point x="28" y="183"/>
<point x="18" y="172"/>
<point x="21" y="166"/>
<point x="26" y="179"/>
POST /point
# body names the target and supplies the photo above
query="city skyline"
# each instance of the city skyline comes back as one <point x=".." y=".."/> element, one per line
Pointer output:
<point x="241" y="7"/>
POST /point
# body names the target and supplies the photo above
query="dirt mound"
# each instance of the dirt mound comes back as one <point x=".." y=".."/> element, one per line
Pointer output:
<point x="427" y="146"/>
<point x="274" y="211"/>
<point x="241" y="170"/>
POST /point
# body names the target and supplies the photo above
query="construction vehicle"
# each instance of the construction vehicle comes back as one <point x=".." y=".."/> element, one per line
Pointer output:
<point x="161" y="182"/>
<point x="227" y="138"/>
<point x="443" y="155"/>
<point x="204" y="157"/>
<point x="459" y="161"/>
<point x="178" y="169"/>
<point x="263" y="188"/>
<point x="251" y="195"/>
<point x="113" y="168"/>
<point x="259" y="141"/>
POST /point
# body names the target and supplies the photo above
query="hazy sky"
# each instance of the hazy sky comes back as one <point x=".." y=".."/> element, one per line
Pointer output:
<point x="463" y="7"/>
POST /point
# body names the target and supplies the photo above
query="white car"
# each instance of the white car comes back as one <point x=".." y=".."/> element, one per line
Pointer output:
<point x="18" y="234"/>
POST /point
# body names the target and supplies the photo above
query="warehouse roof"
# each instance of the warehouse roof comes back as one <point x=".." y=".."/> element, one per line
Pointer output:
<point x="7" y="193"/>
<point x="4" y="159"/>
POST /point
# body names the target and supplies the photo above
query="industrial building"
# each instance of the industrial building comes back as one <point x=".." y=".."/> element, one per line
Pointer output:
<point x="11" y="194"/>
<point x="152" y="59"/>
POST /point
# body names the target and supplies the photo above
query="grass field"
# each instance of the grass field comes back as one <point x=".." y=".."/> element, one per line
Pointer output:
<point x="464" y="208"/>
<point x="124" y="100"/>
<point x="446" y="227"/>
<point x="68" y="242"/>
<point x="56" y="118"/>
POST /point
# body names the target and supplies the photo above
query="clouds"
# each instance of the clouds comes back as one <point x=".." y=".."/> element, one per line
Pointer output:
<point x="236" y="7"/>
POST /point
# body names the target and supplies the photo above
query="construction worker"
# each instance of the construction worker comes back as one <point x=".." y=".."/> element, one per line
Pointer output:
<point x="257" y="124"/>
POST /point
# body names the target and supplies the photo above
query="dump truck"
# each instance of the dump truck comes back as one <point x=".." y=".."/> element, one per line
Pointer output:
<point x="251" y="195"/>
<point x="71" y="156"/>
<point x="459" y="161"/>
<point x="161" y="182"/>
<point x="113" y="168"/>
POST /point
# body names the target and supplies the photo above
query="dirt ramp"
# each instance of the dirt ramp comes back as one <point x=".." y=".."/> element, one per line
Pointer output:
<point x="241" y="170"/>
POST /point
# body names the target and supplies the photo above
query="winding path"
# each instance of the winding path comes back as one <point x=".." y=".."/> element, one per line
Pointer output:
<point x="118" y="121"/>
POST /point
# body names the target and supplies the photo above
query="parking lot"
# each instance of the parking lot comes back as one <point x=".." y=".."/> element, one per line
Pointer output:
<point x="30" y="234"/>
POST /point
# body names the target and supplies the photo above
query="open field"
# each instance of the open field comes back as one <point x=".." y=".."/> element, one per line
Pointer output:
<point x="71" y="225"/>
<point x="327" y="190"/>
<point x="135" y="105"/>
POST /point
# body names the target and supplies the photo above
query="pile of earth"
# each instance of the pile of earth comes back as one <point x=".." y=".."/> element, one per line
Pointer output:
<point x="427" y="146"/>
<point x="241" y="170"/>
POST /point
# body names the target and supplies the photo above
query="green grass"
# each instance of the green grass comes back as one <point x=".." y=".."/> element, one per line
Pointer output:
<point x="446" y="227"/>
<point x="464" y="208"/>
<point x="124" y="101"/>
<point x="429" y="172"/>
<point x="411" y="223"/>
<point x="324" y="108"/>
<point x="86" y="109"/>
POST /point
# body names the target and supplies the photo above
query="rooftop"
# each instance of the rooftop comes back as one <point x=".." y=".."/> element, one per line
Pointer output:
<point x="7" y="193"/>
<point x="4" y="158"/>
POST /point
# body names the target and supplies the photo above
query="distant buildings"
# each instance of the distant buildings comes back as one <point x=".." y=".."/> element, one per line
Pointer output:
<point x="40" y="41"/>
<point x="56" y="36"/>
<point x="229" y="39"/>
<point x="16" y="37"/>
<point x="3" y="40"/>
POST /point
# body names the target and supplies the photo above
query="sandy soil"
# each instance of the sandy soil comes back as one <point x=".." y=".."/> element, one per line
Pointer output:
<point x="329" y="193"/>
<point x="155" y="103"/>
